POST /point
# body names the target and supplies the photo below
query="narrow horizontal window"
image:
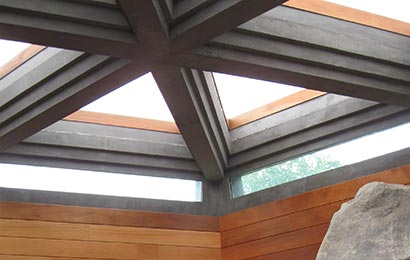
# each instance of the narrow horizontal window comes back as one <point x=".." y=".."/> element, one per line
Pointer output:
<point x="98" y="183"/>
<point x="354" y="151"/>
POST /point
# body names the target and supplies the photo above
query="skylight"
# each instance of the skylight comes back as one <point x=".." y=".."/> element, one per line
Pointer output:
<point x="139" y="98"/>
<point x="240" y="95"/>
<point x="10" y="49"/>
<point x="98" y="183"/>
<point x="395" y="9"/>
<point x="354" y="151"/>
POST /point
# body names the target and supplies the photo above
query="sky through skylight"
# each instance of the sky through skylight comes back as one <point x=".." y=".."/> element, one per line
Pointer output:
<point x="395" y="9"/>
<point x="10" y="49"/>
<point x="240" y="94"/>
<point x="139" y="98"/>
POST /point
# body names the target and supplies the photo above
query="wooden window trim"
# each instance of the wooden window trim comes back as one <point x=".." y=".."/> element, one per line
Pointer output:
<point x="123" y="121"/>
<point x="274" y="107"/>
<point x="351" y="15"/>
<point x="20" y="59"/>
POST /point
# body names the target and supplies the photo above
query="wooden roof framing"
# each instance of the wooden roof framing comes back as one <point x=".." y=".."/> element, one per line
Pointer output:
<point x="106" y="45"/>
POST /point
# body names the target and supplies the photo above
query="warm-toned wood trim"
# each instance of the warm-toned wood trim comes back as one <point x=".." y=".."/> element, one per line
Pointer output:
<point x="71" y="248"/>
<point x="338" y="192"/>
<point x="351" y="14"/>
<point x="104" y="233"/>
<point x="282" y="242"/>
<point x="274" y="107"/>
<point x="21" y="58"/>
<point x="112" y="217"/>
<point x="123" y="121"/>
<point x="301" y="253"/>
<point x="280" y="225"/>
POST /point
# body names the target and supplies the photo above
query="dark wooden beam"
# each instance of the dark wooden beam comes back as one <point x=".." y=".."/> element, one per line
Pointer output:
<point x="54" y="84"/>
<point x="298" y="48"/>
<point x="149" y="24"/>
<point x="215" y="18"/>
<point x="195" y="111"/>
<point x="74" y="25"/>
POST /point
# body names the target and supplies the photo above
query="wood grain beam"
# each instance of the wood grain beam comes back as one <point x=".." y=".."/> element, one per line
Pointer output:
<point x="193" y="107"/>
<point x="214" y="19"/>
<point x="351" y="14"/>
<point x="53" y="85"/>
<point x="69" y="24"/>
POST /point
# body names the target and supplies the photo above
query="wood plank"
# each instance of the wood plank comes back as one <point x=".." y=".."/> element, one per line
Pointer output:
<point x="114" y="217"/>
<point x="102" y="233"/>
<point x="123" y="121"/>
<point x="351" y="14"/>
<point x="315" y="198"/>
<point x="188" y="253"/>
<point x="14" y="257"/>
<point x="303" y="253"/>
<point x="282" y="242"/>
<point x="274" y="107"/>
<point x="21" y="58"/>
<point x="288" y="223"/>
<point x="66" y="248"/>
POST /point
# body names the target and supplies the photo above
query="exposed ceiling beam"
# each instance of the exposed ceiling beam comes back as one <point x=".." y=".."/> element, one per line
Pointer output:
<point x="197" y="115"/>
<point x="74" y="25"/>
<point x="52" y="85"/>
<point x="312" y="51"/>
<point x="305" y="140"/>
<point x="83" y="143"/>
<point x="213" y="19"/>
<point x="149" y="24"/>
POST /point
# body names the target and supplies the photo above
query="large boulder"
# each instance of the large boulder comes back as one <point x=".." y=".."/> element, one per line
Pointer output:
<point x="375" y="225"/>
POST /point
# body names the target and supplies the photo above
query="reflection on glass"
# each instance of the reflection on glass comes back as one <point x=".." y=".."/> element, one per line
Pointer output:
<point x="347" y="153"/>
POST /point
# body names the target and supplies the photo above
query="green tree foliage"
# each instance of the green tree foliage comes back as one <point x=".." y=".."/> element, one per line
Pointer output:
<point x="290" y="170"/>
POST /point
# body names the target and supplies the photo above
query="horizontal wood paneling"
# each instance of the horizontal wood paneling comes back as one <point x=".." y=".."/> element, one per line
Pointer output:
<point x="282" y="242"/>
<point x="67" y="248"/>
<point x="15" y="257"/>
<point x="350" y="14"/>
<point x="280" y="225"/>
<point x="342" y="191"/>
<point x="42" y="232"/>
<point x="113" y="217"/>
<point x="123" y="121"/>
<point x="302" y="253"/>
<point x="102" y="233"/>
<point x="293" y="228"/>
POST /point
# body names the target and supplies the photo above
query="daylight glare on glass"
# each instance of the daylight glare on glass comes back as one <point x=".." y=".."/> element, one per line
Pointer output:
<point x="139" y="98"/>
<point x="240" y="94"/>
<point x="395" y="9"/>
<point x="354" y="151"/>
<point x="10" y="49"/>
<point x="98" y="183"/>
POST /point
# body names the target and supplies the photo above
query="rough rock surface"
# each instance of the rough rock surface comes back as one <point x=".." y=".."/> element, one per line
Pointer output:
<point x="375" y="225"/>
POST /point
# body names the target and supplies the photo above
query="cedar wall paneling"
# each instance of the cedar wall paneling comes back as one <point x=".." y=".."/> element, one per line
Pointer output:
<point x="292" y="228"/>
<point x="45" y="232"/>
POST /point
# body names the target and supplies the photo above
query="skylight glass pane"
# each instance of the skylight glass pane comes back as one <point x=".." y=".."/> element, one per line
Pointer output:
<point x="354" y="151"/>
<point x="240" y="95"/>
<point x="10" y="49"/>
<point x="139" y="98"/>
<point x="98" y="183"/>
<point x="395" y="9"/>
